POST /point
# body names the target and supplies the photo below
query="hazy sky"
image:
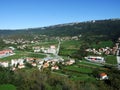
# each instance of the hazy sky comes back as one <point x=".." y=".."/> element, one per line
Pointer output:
<point x="16" y="14"/>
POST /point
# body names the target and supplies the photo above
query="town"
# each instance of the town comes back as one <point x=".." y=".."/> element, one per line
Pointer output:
<point x="51" y="58"/>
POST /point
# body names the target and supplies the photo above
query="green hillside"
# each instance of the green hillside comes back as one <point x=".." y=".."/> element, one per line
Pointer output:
<point x="107" y="29"/>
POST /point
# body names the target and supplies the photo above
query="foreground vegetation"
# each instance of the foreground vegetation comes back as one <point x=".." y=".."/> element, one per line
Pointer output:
<point x="33" y="79"/>
<point x="7" y="86"/>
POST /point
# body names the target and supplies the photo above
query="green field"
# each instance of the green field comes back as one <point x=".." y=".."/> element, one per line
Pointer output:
<point x="7" y="87"/>
<point x="111" y="59"/>
<point x="71" y="44"/>
<point x="83" y="70"/>
<point x="69" y="47"/>
<point x="22" y="54"/>
<point x="75" y="72"/>
<point x="89" y="64"/>
<point x="102" y="44"/>
<point x="35" y="55"/>
<point x="67" y="52"/>
<point x="45" y="44"/>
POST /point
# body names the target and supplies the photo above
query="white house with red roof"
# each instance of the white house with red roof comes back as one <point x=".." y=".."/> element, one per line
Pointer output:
<point x="5" y="53"/>
<point x="103" y="76"/>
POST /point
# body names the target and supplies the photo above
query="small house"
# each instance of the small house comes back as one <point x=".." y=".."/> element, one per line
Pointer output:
<point x="103" y="76"/>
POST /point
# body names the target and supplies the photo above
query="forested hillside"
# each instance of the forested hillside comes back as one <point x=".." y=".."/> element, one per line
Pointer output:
<point x="108" y="29"/>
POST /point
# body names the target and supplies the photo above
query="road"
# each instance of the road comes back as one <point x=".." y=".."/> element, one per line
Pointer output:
<point x="118" y="58"/>
<point x="58" y="48"/>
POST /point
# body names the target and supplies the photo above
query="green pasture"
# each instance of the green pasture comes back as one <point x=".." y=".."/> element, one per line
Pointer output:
<point x="7" y="87"/>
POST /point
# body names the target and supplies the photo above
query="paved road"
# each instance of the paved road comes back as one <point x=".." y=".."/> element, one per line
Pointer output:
<point x="118" y="58"/>
<point x="58" y="48"/>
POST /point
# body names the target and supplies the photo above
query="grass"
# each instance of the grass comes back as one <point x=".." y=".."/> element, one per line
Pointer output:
<point x="102" y="44"/>
<point x="77" y="73"/>
<point x="45" y="44"/>
<point x="71" y="44"/>
<point x="73" y="75"/>
<point x="79" y="69"/>
<point x="20" y="54"/>
<point x="83" y="78"/>
<point x="69" y="47"/>
<point x="16" y="56"/>
<point x="36" y="55"/>
<point x="7" y="87"/>
<point x="111" y="59"/>
<point x="87" y="63"/>
<point x="66" y="52"/>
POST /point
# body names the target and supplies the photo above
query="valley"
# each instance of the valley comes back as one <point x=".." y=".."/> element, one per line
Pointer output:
<point x="59" y="51"/>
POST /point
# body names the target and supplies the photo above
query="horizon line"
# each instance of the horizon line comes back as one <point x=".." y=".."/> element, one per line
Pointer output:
<point x="59" y="24"/>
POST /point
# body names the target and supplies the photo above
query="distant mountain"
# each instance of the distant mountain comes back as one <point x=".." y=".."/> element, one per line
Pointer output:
<point x="108" y="28"/>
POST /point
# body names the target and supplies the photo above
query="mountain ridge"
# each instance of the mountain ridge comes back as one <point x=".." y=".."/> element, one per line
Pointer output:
<point x="107" y="27"/>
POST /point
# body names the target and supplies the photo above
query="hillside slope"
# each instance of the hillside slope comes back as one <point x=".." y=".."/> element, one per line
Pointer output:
<point x="107" y="28"/>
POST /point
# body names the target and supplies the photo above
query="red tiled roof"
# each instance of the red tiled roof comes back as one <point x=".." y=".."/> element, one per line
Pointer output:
<point x="103" y="74"/>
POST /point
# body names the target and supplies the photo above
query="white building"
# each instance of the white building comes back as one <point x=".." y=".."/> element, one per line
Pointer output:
<point x="21" y="66"/>
<point x="55" y="68"/>
<point x="6" y="53"/>
<point x="103" y="76"/>
<point x="95" y="59"/>
<point x="14" y="62"/>
<point x="51" y="50"/>
<point x="4" y="64"/>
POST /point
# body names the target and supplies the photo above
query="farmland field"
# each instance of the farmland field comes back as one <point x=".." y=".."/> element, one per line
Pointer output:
<point x="22" y="54"/>
<point x="7" y="87"/>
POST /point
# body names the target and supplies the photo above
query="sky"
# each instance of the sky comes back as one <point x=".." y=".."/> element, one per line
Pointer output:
<point x="20" y="14"/>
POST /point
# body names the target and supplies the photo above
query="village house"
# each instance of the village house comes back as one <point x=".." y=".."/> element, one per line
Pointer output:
<point x="30" y="60"/>
<point x="103" y="76"/>
<point x="114" y="50"/>
<point x="13" y="69"/>
<point x="106" y="50"/>
<point x="15" y="62"/>
<point x="51" y="50"/>
<point x="36" y="49"/>
<point x="39" y="67"/>
<point x="45" y="65"/>
<point x="55" y="68"/>
<point x="5" y="53"/>
<point x="4" y="64"/>
<point x="21" y="66"/>
<point x="40" y="62"/>
<point x="21" y="47"/>
<point x="34" y="64"/>
<point x="70" y="62"/>
<point x="12" y="48"/>
<point x="75" y="38"/>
